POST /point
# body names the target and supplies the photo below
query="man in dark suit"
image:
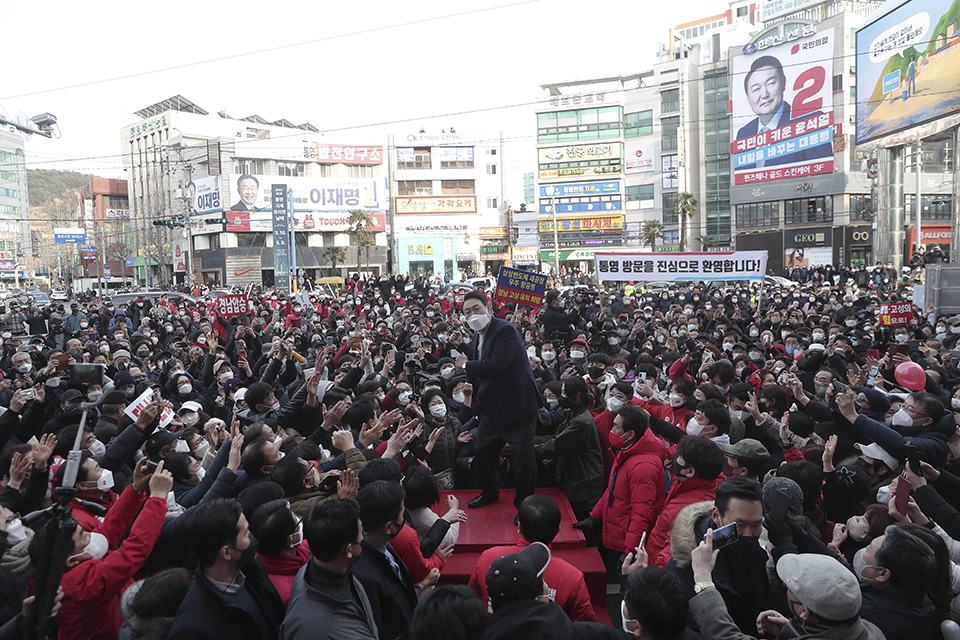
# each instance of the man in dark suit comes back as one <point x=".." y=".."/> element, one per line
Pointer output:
<point x="248" y="187"/>
<point x="384" y="576"/>
<point x="506" y="395"/>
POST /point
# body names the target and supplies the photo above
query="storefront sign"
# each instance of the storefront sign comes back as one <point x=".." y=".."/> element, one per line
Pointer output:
<point x="575" y="153"/>
<point x="419" y="249"/>
<point x="332" y="154"/>
<point x="582" y="224"/>
<point x="435" y="204"/>
<point x="575" y="189"/>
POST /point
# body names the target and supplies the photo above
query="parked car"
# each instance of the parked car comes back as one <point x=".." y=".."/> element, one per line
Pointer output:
<point x="36" y="297"/>
<point x="59" y="296"/>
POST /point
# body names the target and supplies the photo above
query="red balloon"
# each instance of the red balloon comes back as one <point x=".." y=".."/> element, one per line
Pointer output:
<point x="910" y="375"/>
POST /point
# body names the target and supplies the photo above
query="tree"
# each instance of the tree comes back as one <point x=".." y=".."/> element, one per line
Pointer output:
<point x="359" y="221"/>
<point x="707" y="241"/>
<point x="651" y="231"/>
<point x="335" y="255"/>
<point x="685" y="207"/>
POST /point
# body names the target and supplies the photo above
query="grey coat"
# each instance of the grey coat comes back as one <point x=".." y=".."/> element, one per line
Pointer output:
<point x="313" y="615"/>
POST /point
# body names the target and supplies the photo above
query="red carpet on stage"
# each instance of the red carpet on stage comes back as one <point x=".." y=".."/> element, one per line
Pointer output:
<point x="493" y="526"/>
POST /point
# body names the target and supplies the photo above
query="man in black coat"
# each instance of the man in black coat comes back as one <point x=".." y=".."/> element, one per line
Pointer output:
<point x="556" y="322"/>
<point x="231" y="595"/>
<point x="384" y="576"/>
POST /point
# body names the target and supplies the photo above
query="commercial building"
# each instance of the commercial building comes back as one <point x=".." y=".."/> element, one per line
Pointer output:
<point x="211" y="174"/>
<point x="14" y="205"/>
<point x="455" y="196"/>
<point x="103" y="211"/>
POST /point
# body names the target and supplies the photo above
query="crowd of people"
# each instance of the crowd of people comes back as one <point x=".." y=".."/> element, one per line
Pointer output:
<point x="277" y="473"/>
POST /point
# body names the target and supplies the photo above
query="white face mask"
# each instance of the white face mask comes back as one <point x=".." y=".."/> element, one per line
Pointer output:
<point x="693" y="427"/>
<point x="438" y="410"/>
<point x="738" y="414"/>
<point x="447" y="373"/>
<point x="675" y="399"/>
<point x="459" y="397"/>
<point x="614" y="404"/>
<point x="25" y="367"/>
<point x="105" y="481"/>
<point x="53" y="382"/>
<point x="553" y="403"/>
<point x="202" y="448"/>
<point x="225" y="378"/>
<point x="902" y="419"/>
<point x="479" y="321"/>
<point x="16" y="532"/>
<point x="97" y="547"/>
<point x="189" y="419"/>
<point x="612" y="341"/>
<point x="624" y="619"/>
<point x="755" y="355"/>
<point x="404" y="398"/>
<point x="818" y="337"/>
<point x="754" y="334"/>
<point x="576" y="354"/>
<point x="548" y="355"/>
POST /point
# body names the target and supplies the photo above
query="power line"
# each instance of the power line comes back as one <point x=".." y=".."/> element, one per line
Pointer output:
<point x="276" y="48"/>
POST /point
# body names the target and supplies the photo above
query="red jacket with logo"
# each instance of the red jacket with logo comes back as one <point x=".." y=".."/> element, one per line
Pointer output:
<point x="567" y="586"/>
<point x="91" y="589"/>
<point x="634" y="495"/>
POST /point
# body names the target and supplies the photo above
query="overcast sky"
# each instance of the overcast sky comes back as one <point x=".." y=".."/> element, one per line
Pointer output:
<point x="93" y="65"/>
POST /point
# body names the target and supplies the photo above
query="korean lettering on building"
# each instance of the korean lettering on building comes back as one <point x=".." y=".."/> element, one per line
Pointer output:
<point x="332" y="154"/>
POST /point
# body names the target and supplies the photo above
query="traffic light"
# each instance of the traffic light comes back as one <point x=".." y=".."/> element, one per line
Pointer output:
<point x="167" y="223"/>
<point x="216" y="221"/>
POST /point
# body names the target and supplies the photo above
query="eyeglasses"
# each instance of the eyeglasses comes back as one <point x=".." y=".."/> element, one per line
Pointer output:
<point x="13" y="517"/>
<point x="913" y="410"/>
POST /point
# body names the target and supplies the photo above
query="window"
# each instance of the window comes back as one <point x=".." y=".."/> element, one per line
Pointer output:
<point x="638" y="124"/>
<point x="324" y="171"/>
<point x="413" y="158"/>
<point x="718" y="174"/>
<point x="456" y="187"/>
<point x="491" y="152"/>
<point x="807" y="210"/>
<point x="456" y="157"/>
<point x="838" y="83"/>
<point x="415" y="188"/>
<point x="668" y="133"/>
<point x="642" y="193"/>
<point x="582" y="124"/>
<point x="491" y="203"/>
<point x="10" y="193"/>
<point x="293" y="169"/>
<point x="359" y="171"/>
<point x="670" y="101"/>
<point x="671" y="172"/>
<point x="758" y="214"/>
<point x="251" y="240"/>
<point x="252" y="167"/>
<point x="491" y="169"/>
<point x="742" y="11"/>
<point x="8" y="208"/>
<point x="932" y="207"/>
<point x="718" y="220"/>
<point x="861" y="207"/>
<point x="8" y="175"/>
<point x="670" y="217"/>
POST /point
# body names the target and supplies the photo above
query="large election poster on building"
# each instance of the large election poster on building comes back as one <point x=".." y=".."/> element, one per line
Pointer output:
<point x="907" y="65"/>
<point x="783" y="107"/>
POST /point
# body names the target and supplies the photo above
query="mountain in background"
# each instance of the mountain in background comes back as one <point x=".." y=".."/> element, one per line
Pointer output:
<point x="46" y="187"/>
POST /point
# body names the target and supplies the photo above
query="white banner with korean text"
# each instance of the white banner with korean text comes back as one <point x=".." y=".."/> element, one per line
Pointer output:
<point x="668" y="267"/>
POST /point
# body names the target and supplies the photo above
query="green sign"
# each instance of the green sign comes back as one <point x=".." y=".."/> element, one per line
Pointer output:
<point x="148" y="125"/>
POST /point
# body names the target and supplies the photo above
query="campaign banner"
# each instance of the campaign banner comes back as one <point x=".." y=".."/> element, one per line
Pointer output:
<point x="232" y="305"/>
<point x="783" y="108"/>
<point x="907" y="68"/>
<point x="263" y="222"/>
<point x="251" y="193"/>
<point x="659" y="267"/>
<point x="142" y="402"/>
<point x="522" y="287"/>
<point x="204" y="195"/>
<point x="897" y="314"/>
<point x="281" y="237"/>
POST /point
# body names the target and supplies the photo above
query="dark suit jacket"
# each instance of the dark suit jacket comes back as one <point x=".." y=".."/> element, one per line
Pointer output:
<point x="391" y="599"/>
<point x="242" y="206"/>
<point x="507" y="391"/>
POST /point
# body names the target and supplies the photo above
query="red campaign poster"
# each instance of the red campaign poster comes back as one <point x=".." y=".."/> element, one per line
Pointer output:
<point x="896" y="314"/>
<point x="232" y="305"/>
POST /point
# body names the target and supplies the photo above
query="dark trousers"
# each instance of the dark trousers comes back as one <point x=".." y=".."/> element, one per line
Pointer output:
<point x="490" y="440"/>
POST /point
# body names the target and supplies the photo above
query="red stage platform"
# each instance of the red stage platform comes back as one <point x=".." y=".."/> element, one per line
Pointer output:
<point x="493" y="526"/>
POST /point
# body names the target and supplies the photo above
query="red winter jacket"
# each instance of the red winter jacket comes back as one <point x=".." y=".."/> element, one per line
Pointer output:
<point x="635" y="494"/>
<point x="282" y="569"/>
<point x="604" y="421"/>
<point x="407" y="546"/>
<point x="567" y="586"/>
<point x="91" y="589"/>
<point x="681" y="494"/>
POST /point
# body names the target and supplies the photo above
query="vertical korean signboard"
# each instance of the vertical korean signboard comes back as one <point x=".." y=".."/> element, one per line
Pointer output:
<point x="783" y="107"/>
<point x="281" y="238"/>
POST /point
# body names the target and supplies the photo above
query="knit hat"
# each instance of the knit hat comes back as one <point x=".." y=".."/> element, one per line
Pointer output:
<point x="879" y="403"/>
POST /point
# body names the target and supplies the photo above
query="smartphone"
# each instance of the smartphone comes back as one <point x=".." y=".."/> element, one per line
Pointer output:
<point x="643" y="376"/>
<point x="30" y="393"/>
<point x="873" y="353"/>
<point x="691" y="345"/>
<point x="838" y="387"/>
<point x="874" y="370"/>
<point x="643" y="539"/>
<point x="84" y="373"/>
<point x="329" y="341"/>
<point x="913" y="458"/>
<point x="711" y="314"/>
<point x="903" y="493"/>
<point x="356" y="342"/>
<point x="152" y="465"/>
<point x="784" y="377"/>
<point x="411" y="357"/>
<point x="329" y="483"/>
<point x="725" y="536"/>
<point x="242" y="354"/>
<point x="61" y="360"/>
<point x="779" y="507"/>
<point x="421" y="452"/>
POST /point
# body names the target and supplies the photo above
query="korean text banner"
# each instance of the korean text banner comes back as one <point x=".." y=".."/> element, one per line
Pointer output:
<point x="252" y="193"/>
<point x="206" y="195"/>
<point x="522" y="287"/>
<point x="896" y="314"/>
<point x="667" y="267"/>
<point x="232" y="305"/>
<point x="783" y="109"/>
<point x="907" y="68"/>
<point x="435" y="204"/>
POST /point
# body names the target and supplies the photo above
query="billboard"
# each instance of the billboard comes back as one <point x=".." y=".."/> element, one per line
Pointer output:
<point x="772" y="9"/>
<point x="435" y="204"/>
<point x="906" y="68"/>
<point x="638" y="157"/>
<point x="660" y="267"/>
<point x="593" y="223"/>
<point x="783" y="109"/>
<point x="204" y="195"/>
<point x="308" y="194"/>
<point x="551" y="158"/>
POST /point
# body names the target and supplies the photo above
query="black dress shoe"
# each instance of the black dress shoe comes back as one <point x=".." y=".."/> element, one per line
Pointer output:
<point x="482" y="500"/>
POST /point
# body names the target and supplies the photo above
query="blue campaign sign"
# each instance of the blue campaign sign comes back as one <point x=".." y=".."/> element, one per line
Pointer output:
<point x="580" y="189"/>
<point x="523" y="287"/>
<point x="891" y="81"/>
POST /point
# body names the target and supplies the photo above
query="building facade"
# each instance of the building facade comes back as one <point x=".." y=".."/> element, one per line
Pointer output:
<point x="15" y="238"/>
<point x="103" y="211"/>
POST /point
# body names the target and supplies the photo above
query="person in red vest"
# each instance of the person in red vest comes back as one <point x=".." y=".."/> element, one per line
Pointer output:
<point x="697" y="470"/>
<point x="540" y="522"/>
<point x="100" y="566"/>
<point x="280" y="544"/>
